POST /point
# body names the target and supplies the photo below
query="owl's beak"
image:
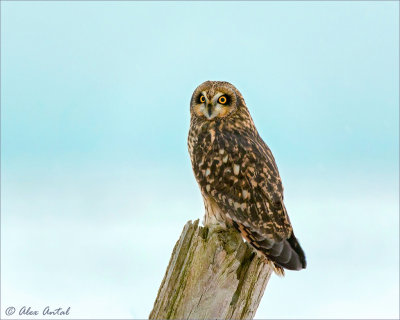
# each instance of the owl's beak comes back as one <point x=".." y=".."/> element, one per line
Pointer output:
<point x="209" y="109"/>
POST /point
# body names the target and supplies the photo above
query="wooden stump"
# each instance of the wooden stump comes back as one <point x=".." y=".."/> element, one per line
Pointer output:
<point x="212" y="274"/>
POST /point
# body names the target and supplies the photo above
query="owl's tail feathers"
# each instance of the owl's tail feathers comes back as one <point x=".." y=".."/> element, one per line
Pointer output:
<point x="288" y="254"/>
<point x="284" y="254"/>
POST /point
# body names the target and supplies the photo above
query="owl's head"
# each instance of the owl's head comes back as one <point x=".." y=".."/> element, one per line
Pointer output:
<point x="215" y="100"/>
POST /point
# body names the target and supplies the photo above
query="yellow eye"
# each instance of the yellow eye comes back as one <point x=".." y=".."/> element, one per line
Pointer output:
<point x="202" y="99"/>
<point x="222" y="100"/>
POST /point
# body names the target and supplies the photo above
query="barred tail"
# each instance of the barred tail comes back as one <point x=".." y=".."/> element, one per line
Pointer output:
<point x="286" y="254"/>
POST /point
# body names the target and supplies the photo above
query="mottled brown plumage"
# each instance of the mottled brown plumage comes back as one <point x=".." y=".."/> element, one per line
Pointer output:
<point x="237" y="174"/>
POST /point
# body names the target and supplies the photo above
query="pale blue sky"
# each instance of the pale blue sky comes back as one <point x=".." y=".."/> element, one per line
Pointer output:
<point x="96" y="179"/>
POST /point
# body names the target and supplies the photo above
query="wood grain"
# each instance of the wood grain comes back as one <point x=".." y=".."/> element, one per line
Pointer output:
<point x="212" y="273"/>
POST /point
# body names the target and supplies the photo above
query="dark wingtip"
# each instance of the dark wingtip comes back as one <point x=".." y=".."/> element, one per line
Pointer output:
<point x="294" y="243"/>
<point x="291" y="256"/>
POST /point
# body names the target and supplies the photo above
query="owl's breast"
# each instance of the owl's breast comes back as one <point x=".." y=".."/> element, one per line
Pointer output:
<point x="211" y="156"/>
<point x="210" y="164"/>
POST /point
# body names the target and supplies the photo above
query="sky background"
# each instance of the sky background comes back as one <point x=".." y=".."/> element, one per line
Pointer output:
<point x="96" y="181"/>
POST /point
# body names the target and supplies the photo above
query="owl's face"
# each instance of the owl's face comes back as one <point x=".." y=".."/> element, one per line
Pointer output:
<point x="215" y="100"/>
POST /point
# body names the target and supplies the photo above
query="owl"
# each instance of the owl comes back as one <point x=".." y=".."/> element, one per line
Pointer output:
<point x="238" y="176"/>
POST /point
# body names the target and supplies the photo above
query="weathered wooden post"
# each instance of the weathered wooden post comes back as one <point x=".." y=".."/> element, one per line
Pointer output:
<point x="212" y="274"/>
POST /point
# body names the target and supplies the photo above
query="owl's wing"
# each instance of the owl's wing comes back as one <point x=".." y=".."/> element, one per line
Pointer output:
<point x="248" y="187"/>
<point x="250" y="181"/>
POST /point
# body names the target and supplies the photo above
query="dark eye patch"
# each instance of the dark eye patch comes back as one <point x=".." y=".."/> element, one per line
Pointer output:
<point x="224" y="100"/>
<point x="201" y="98"/>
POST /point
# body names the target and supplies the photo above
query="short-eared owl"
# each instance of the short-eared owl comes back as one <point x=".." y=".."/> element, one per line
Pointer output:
<point x="237" y="174"/>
